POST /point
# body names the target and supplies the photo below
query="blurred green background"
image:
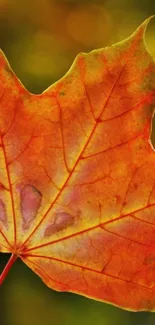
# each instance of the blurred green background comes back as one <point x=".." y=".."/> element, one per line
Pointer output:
<point x="41" y="39"/>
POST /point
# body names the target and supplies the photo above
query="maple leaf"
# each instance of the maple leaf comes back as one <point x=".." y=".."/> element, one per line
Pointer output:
<point x="77" y="176"/>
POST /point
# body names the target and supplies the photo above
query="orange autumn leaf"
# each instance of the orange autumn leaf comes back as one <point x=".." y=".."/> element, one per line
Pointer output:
<point x="77" y="176"/>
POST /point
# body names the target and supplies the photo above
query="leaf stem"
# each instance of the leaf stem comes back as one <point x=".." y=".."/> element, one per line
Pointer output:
<point x="7" y="268"/>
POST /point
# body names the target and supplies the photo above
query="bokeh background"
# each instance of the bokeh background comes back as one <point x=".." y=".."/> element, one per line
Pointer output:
<point x="41" y="39"/>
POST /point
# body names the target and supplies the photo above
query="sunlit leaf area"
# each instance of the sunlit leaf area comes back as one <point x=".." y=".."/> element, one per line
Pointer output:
<point x="41" y="39"/>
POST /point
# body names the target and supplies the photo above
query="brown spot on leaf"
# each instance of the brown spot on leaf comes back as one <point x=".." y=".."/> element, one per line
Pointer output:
<point x="62" y="221"/>
<point x="30" y="203"/>
<point x="3" y="215"/>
